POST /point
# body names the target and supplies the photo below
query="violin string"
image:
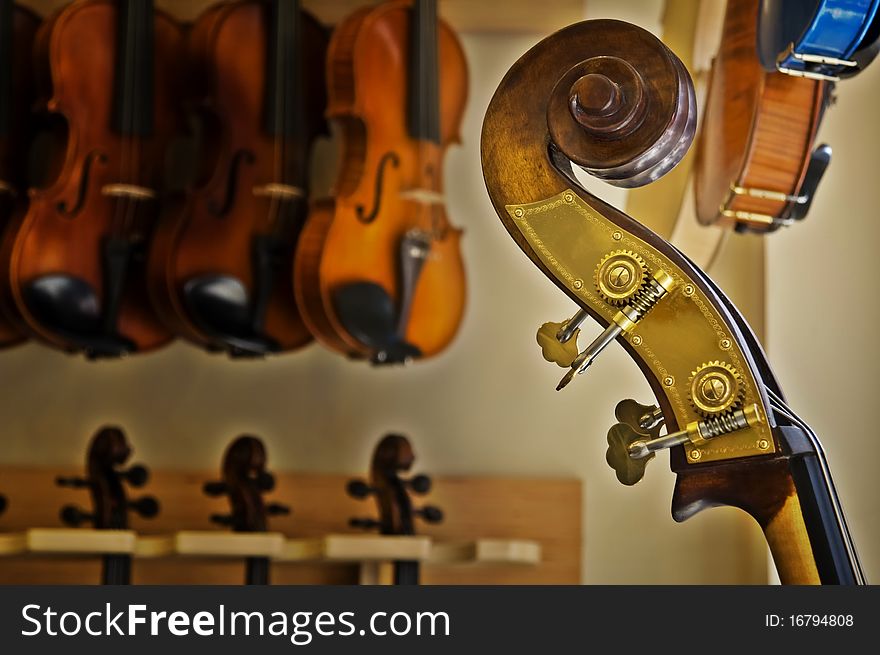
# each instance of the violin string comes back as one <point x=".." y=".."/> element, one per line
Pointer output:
<point x="278" y="147"/>
<point x="135" y="73"/>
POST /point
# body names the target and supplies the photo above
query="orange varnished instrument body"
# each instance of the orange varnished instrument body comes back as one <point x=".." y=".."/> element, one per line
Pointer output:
<point x="388" y="208"/>
<point x="220" y="271"/>
<point x="18" y="27"/>
<point x="74" y="262"/>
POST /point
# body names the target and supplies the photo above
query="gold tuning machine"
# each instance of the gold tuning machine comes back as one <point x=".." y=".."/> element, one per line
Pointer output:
<point x="558" y="341"/>
<point x="641" y="302"/>
<point x="630" y="449"/>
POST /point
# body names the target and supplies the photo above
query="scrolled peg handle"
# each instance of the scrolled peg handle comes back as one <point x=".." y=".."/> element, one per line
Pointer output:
<point x="136" y="476"/>
<point x="431" y="514"/>
<point x="222" y="519"/>
<point x="364" y="524"/>
<point x="215" y="489"/>
<point x="358" y="489"/>
<point x="73" y="483"/>
<point x="277" y="509"/>
<point x="74" y="516"/>
<point x="420" y="484"/>
<point x="146" y="507"/>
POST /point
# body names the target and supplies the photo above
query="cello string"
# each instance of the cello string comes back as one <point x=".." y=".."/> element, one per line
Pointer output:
<point x="780" y="405"/>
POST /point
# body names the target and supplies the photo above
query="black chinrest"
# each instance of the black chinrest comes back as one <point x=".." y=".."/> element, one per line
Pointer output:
<point x="69" y="306"/>
<point x="221" y="307"/>
<point x="367" y="312"/>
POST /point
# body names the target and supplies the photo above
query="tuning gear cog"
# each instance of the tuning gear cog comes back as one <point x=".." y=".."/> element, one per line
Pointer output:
<point x="619" y="275"/>
<point x="716" y="388"/>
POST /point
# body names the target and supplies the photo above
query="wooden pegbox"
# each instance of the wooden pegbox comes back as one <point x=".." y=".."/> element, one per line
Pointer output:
<point x="497" y="531"/>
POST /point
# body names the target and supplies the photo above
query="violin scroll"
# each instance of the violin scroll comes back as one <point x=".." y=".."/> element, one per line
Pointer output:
<point x="393" y="457"/>
<point x="106" y="481"/>
<point x="245" y="480"/>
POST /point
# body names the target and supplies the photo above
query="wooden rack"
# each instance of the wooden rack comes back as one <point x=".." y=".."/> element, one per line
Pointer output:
<point x="497" y="531"/>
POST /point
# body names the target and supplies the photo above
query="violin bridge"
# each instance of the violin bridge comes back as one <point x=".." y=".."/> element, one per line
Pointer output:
<point x="279" y="191"/>
<point x="423" y="196"/>
<point x="131" y="191"/>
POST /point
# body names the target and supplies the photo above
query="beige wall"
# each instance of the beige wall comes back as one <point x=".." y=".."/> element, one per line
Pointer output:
<point x="823" y="308"/>
<point x="486" y="407"/>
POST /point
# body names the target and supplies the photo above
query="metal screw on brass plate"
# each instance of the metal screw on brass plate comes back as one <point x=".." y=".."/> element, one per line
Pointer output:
<point x="668" y="381"/>
<point x="617" y="236"/>
<point x="763" y="444"/>
<point x="636" y="340"/>
<point x="688" y="290"/>
<point x="724" y="344"/>
<point x="695" y="455"/>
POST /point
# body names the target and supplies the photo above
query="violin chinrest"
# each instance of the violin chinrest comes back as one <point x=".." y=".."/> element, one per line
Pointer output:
<point x="220" y="305"/>
<point x="69" y="306"/>
<point x="368" y="313"/>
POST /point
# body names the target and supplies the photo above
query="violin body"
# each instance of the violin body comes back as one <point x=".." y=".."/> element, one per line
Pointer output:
<point x="757" y="168"/>
<point x="263" y="102"/>
<point x="388" y="199"/>
<point x="74" y="262"/>
<point x="18" y="28"/>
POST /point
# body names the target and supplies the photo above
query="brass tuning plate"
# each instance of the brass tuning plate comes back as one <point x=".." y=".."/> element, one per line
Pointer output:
<point x="683" y="331"/>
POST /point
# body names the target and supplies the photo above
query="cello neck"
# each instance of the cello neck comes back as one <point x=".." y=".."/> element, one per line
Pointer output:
<point x="828" y="538"/>
<point x="133" y="83"/>
<point x="424" y="87"/>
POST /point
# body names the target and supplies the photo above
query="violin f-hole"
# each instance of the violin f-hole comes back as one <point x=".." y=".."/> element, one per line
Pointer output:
<point x="394" y="160"/>
<point x="242" y="156"/>
<point x="83" y="185"/>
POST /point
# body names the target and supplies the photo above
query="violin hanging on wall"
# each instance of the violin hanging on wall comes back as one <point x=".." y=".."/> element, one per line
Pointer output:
<point x="220" y="273"/>
<point x="378" y="270"/>
<point x="392" y="458"/>
<point x="245" y="480"/>
<point x="757" y="168"/>
<point x="818" y="39"/>
<point x="75" y="261"/>
<point x="106" y="481"/>
<point x="18" y="28"/>
<point x="575" y="98"/>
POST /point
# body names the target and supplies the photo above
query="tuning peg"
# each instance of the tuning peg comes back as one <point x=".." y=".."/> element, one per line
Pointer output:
<point x="647" y="419"/>
<point x="629" y="451"/>
<point x="430" y="514"/>
<point x="265" y="481"/>
<point x="358" y="489"/>
<point x="420" y="484"/>
<point x="136" y="476"/>
<point x="146" y="507"/>
<point x="628" y="470"/>
<point x="214" y="489"/>
<point x="558" y="341"/>
<point x="74" y="483"/>
<point x="73" y="516"/>
<point x="221" y="519"/>
<point x="643" y="301"/>
<point x="364" y="524"/>
<point x="277" y="509"/>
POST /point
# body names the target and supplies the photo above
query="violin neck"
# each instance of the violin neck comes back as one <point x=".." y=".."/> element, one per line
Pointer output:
<point x="6" y="35"/>
<point x="116" y="570"/>
<point x="424" y="86"/>
<point x="282" y="115"/>
<point x="406" y="572"/>
<point x="133" y="84"/>
<point x="257" y="571"/>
